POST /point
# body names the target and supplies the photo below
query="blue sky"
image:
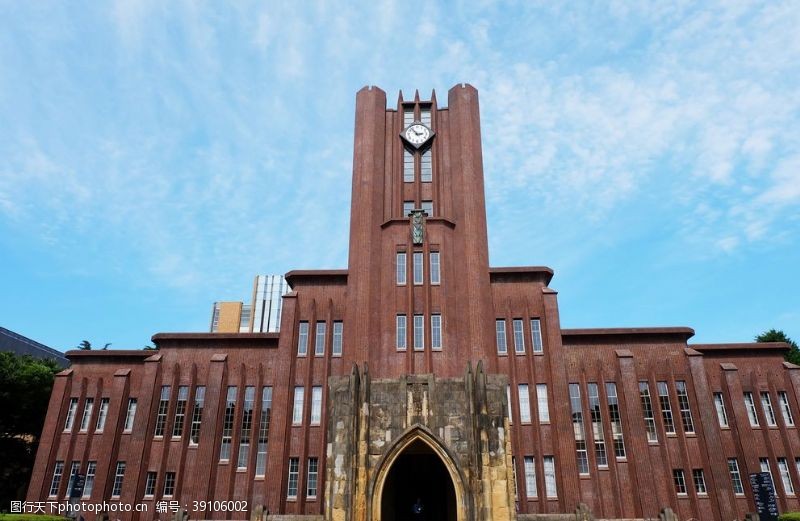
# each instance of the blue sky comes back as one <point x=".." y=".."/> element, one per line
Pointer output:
<point x="155" y="156"/>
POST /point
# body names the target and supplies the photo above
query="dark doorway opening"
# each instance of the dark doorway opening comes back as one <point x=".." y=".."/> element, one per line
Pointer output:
<point x="418" y="487"/>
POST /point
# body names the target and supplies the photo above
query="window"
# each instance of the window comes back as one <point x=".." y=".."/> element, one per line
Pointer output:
<point x="577" y="427"/>
<point x="408" y="115"/>
<point x="294" y="473"/>
<point x="302" y="339"/>
<point x="616" y="420"/>
<point x="163" y="406"/>
<point x="519" y="338"/>
<point x="244" y="318"/>
<point x="550" y="476"/>
<point x="316" y="405"/>
<point x="680" y="481"/>
<point x="73" y="408"/>
<point x="797" y="464"/>
<point x="338" y="326"/>
<point x="311" y="481"/>
<point x="215" y="318"/>
<point x="683" y="405"/>
<point x="425" y="116"/>
<point x="541" y="400"/>
<point x="247" y="426"/>
<point x="524" y="404"/>
<point x="436" y="332"/>
<point x="408" y="166"/>
<point x="536" y="335"/>
<point x="516" y="481"/>
<point x="197" y="414"/>
<point x="263" y="431"/>
<point x="408" y="206"/>
<point x="88" y="486"/>
<point x="180" y="411"/>
<point x="530" y="476"/>
<point x="55" y="483"/>
<point x="88" y="407"/>
<point x="74" y="468"/>
<point x="786" y="478"/>
<point x="666" y="408"/>
<point x="751" y="409"/>
<point x="319" y="340"/>
<point x="769" y="412"/>
<point x="297" y="410"/>
<point x="785" y="408"/>
<point x="508" y="399"/>
<point x="169" y="484"/>
<point x="418" y="268"/>
<point x="419" y="333"/>
<point x="130" y="416"/>
<point x="227" y="424"/>
<point x="500" y="328"/>
<point x="647" y="411"/>
<point x="764" y="463"/>
<point x="119" y="475"/>
<point x="435" y="268"/>
<point x="699" y="481"/>
<point x="722" y="416"/>
<point x="400" y="264"/>
<point x="401" y="332"/>
<point x="150" y="484"/>
<point x="597" y="425"/>
<point x="426" y="170"/>
<point x="427" y="207"/>
<point x="102" y="414"/>
<point x="736" y="478"/>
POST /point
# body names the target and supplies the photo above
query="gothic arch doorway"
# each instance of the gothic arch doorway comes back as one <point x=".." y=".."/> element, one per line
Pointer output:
<point x="418" y="481"/>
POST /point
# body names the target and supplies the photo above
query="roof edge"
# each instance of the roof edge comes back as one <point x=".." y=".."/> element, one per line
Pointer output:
<point x="681" y="332"/>
<point x="299" y="276"/>
<point x="521" y="272"/>
<point x="742" y="346"/>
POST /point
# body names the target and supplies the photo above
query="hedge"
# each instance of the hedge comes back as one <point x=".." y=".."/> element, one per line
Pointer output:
<point x="789" y="516"/>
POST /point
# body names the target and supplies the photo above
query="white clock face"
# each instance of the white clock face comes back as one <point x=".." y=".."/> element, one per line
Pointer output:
<point x="417" y="134"/>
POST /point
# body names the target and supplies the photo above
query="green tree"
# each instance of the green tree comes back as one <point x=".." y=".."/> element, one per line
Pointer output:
<point x="776" y="335"/>
<point x="85" y="345"/>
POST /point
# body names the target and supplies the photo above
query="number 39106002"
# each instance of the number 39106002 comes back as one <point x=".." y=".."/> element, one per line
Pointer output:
<point x="219" y="506"/>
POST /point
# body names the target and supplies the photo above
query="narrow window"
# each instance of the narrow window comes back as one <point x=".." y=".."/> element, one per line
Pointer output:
<point x="180" y="411"/>
<point x="263" y="431"/>
<point x="543" y="405"/>
<point x="577" y="427"/>
<point x="408" y="115"/>
<point x="764" y="462"/>
<point x="530" y="477"/>
<point x="683" y="405"/>
<point x="519" y="338"/>
<point x="102" y="414"/>
<point x="680" y="481"/>
<point x="419" y="332"/>
<point x="769" y="412"/>
<point x="508" y="398"/>
<point x="55" y="483"/>
<point x="719" y="404"/>
<point x="786" y="478"/>
<point x="736" y="478"/>
<point x="163" y="406"/>
<point x="647" y="411"/>
<point x="74" y="468"/>
<point x="244" y="318"/>
<point x="550" y="476"/>
<point x="407" y="207"/>
<point x="616" y="420"/>
<point x="408" y="166"/>
<point x="666" y="408"/>
<point x="294" y="473"/>
<point x="319" y="340"/>
<point x="316" y="405"/>
<point x="426" y="169"/>
<point x="425" y="116"/>
<point x="247" y="426"/>
<point x="401" y="268"/>
<point x="500" y="329"/>
<point x="197" y="414"/>
<point x="88" y="407"/>
<point x="436" y="332"/>
<point x="119" y="475"/>
<point x="88" y="486"/>
<point x="786" y="409"/>
<point x="130" y="416"/>
<point x="73" y="408"/>
<point x="524" y="404"/>
<point x="169" y="484"/>
<point x="418" y="268"/>
<point x="751" y="409"/>
<point x="302" y="339"/>
<point x="401" y="332"/>
<point x="435" y="269"/>
<point x="338" y="326"/>
<point x="227" y="424"/>
<point x="536" y="335"/>
<point x="699" y="481"/>
<point x="150" y="484"/>
<point x="427" y="207"/>
<point x="311" y="481"/>
<point x="597" y="425"/>
<point x="297" y="410"/>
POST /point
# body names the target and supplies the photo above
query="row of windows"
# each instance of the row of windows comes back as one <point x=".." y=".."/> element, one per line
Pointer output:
<point x="426" y="206"/>
<point x="783" y="469"/>
<point x="180" y="415"/>
<point x="596" y="419"/>
<point x="299" y="402"/>
<point x="418" y="332"/>
<point x="418" y="268"/>
<point x="518" y="335"/>
<point x="523" y="395"/>
<point x="666" y="409"/>
<point x="424" y="115"/>
<point x="529" y="464"/>
<point x="312" y="478"/>
<point x="698" y="477"/>
<point x="88" y="409"/>
<point x="425" y="166"/>
<point x="752" y="414"/>
<point x="249" y="433"/>
<point x="320" y="330"/>
<point x="150" y="484"/>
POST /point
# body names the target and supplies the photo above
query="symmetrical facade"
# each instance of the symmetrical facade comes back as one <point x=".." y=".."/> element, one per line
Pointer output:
<point x="421" y="382"/>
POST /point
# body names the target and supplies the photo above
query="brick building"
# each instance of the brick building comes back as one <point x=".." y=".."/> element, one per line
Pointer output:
<point x="421" y="383"/>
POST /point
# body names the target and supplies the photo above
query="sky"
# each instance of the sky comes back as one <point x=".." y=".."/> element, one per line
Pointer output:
<point x="156" y="156"/>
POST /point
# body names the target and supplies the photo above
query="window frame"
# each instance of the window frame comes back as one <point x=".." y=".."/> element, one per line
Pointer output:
<point x="500" y="333"/>
<point x="401" y="332"/>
